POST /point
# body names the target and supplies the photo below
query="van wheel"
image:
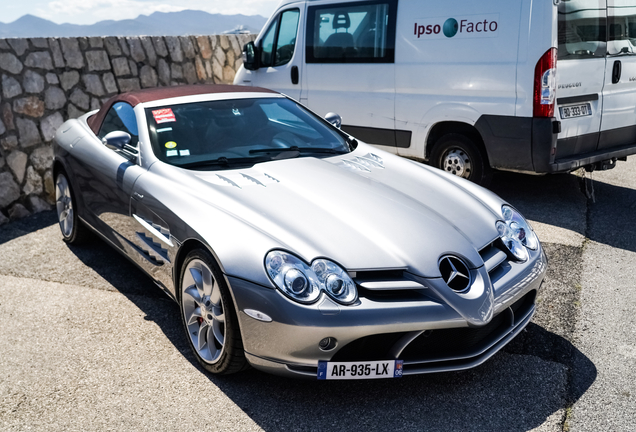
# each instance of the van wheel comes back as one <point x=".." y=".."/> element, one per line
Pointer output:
<point x="457" y="154"/>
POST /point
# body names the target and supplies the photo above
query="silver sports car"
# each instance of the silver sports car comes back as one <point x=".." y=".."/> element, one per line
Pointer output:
<point x="291" y="246"/>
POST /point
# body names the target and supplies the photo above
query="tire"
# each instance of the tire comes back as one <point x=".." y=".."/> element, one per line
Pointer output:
<point x="457" y="154"/>
<point x="208" y="315"/>
<point x="73" y="230"/>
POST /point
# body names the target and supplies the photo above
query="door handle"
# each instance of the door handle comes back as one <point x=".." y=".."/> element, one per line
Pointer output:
<point x="294" y="75"/>
<point x="616" y="72"/>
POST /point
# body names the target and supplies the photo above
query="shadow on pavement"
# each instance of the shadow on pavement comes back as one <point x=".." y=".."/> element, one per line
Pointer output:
<point x="26" y="226"/>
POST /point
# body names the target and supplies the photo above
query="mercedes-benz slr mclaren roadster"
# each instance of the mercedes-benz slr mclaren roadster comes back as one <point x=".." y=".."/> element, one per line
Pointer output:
<point x="291" y="246"/>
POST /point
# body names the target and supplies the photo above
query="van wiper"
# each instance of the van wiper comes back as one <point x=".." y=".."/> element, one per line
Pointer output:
<point x="299" y="149"/>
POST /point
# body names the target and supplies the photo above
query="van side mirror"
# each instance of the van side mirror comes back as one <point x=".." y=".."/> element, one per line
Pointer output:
<point x="334" y="119"/>
<point x="117" y="140"/>
<point x="250" y="56"/>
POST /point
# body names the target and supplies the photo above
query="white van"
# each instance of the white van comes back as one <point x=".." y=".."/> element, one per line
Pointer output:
<point x="524" y="85"/>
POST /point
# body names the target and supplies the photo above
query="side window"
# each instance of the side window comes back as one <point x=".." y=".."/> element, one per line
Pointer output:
<point x="277" y="46"/>
<point x="582" y="29"/>
<point x="361" y="32"/>
<point x="120" y="117"/>
<point x="621" y="26"/>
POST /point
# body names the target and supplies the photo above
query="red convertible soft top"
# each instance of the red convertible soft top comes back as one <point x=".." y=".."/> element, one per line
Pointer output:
<point x="152" y="94"/>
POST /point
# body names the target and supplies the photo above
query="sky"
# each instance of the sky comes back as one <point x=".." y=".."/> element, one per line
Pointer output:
<point x="91" y="11"/>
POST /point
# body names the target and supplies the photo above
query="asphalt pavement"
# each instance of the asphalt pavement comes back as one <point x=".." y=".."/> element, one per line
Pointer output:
<point x="88" y="343"/>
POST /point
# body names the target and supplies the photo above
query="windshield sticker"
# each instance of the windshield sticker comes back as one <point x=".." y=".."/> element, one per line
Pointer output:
<point x="172" y="153"/>
<point x="164" y="115"/>
<point x="168" y="129"/>
<point x="171" y="144"/>
<point x="184" y="152"/>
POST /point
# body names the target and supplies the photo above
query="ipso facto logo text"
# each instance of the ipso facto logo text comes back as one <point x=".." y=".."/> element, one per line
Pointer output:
<point x="467" y="26"/>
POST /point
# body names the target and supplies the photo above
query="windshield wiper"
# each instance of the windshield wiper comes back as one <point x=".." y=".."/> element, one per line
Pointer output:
<point x="298" y="149"/>
<point x="222" y="161"/>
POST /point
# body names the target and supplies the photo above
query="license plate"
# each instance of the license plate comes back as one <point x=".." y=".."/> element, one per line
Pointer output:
<point x="359" y="370"/>
<point x="572" y="111"/>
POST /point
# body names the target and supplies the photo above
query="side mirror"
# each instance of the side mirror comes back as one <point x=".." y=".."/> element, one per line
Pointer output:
<point x="250" y="56"/>
<point x="117" y="140"/>
<point x="334" y="119"/>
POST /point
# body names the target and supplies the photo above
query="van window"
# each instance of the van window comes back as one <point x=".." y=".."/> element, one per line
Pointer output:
<point x="361" y="32"/>
<point x="582" y="29"/>
<point x="280" y="39"/>
<point x="621" y="26"/>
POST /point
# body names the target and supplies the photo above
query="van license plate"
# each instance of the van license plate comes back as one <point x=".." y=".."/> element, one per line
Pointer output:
<point x="572" y="111"/>
<point x="359" y="370"/>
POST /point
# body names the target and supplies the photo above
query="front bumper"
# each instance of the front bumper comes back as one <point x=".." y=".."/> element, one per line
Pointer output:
<point x="419" y="327"/>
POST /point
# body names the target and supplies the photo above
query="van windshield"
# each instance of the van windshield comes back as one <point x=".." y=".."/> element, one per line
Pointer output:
<point x="582" y="29"/>
<point x="225" y="133"/>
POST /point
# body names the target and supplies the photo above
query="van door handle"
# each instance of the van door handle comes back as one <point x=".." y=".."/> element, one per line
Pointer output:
<point x="294" y="74"/>
<point x="616" y="72"/>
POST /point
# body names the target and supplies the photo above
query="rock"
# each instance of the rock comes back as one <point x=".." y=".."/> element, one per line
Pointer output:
<point x="228" y="74"/>
<point x="164" y="72"/>
<point x="148" y="77"/>
<point x="79" y="98"/>
<point x="160" y="46"/>
<point x="48" y="126"/>
<point x="97" y="60"/>
<point x="109" y="83"/>
<point x="54" y="98"/>
<point x="120" y="66"/>
<point x="28" y="132"/>
<point x="40" y="42"/>
<point x="33" y="82"/>
<point x="51" y="78"/>
<point x="69" y="79"/>
<point x="9" y="190"/>
<point x="17" y="162"/>
<point x="124" y="46"/>
<point x="72" y="53"/>
<point x="74" y="112"/>
<point x="2" y="162"/>
<point x="38" y="205"/>
<point x="18" y="211"/>
<point x="218" y="70"/>
<point x="31" y="106"/>
<point x="3" y="219"/>
<point x="83" y="43"/>
<point x="234" y="42"/>
<point x="18" y="45"/>
<point x="208" y="69"/>
<point x="58" y="59"/>
<point x="133" y="68"/>
<point x="112" y="46"/>
<point x="176" y="71"/>
<point x="224" y="42"/>
<point x="150" y="50"/>
<point x="4" y="45"/>
<point x="174" y="47"/>
<point x="128" y="84"/>
<point x="187" y="46"/>
<point x="40" y="60"/>
<point x="229" y="59"/>
<point x="190" y="73"/>
<point x="204" y="47"/>
<point x="9" y="143"/>
<point x="95" y="105"/>
<point x="219" y="55"/>
<point x="136" y="49"/>
<point x="201" y="74"/>
<point x="10" y="87"/>
<point x="7" y="116"/>
<point x="3" y="129"/>
<point x="49" y="186"/>
<point x="96" y="42"/>
<point x="33" y="183"/>
<point x="94" y="84"/>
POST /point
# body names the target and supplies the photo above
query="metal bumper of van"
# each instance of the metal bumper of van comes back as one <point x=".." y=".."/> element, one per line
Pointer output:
<point x="529" y="144"/>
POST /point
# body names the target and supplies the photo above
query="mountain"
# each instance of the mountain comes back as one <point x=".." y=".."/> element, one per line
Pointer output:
<point x="187" y="22"/>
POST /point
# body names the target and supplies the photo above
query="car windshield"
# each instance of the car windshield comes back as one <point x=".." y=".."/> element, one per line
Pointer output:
<point x="227" y="133"/>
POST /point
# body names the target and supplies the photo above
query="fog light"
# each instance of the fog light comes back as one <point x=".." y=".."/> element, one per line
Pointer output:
<point x="327" y="344"/>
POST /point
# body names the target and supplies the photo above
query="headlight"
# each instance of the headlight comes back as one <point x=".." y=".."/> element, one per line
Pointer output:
<point x="516" y="234"/>
<point x="304" y="283"/>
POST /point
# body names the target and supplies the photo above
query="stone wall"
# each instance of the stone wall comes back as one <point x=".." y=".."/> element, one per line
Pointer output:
<point x="46" y="81"/>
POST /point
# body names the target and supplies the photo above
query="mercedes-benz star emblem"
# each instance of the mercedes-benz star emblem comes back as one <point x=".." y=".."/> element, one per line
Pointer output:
<point x="455" y="273"/>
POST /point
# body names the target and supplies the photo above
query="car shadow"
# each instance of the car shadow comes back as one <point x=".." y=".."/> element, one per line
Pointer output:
<point x="22" y="227"/>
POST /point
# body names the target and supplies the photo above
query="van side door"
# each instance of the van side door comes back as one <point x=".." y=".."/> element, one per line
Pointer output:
<point x="618" y="125"/>
<point x="350" y="66"/>
<point x="580" y="75"/>
<point x="280" y="54"/>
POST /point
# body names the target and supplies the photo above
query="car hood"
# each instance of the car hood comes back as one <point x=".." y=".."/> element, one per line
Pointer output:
<point x="365" y="210"/>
